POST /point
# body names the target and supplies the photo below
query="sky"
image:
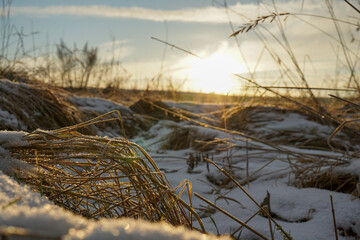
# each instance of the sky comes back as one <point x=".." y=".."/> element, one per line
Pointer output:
<point x="124" y="29"/>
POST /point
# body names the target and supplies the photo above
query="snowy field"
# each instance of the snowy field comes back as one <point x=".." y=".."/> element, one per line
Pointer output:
<point x="267" y="150"/>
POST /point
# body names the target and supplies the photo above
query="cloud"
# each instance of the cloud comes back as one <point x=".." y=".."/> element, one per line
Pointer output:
<point x="208" y="15"/>
<point x="200" y="15"/>
<point x="239" y="12"/>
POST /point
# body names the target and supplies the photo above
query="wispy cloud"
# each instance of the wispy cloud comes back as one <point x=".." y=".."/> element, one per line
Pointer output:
<point x="212" y="14"/>
<point x="208" y="15"/>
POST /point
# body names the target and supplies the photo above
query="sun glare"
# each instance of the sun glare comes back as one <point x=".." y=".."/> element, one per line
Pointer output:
<point x="214" y="73"/>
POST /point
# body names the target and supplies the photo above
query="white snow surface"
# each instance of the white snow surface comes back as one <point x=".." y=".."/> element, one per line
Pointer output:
<point x="305" y="213"/>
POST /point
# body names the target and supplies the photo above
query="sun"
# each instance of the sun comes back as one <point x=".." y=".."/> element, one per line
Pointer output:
<point x="214" y="74"/>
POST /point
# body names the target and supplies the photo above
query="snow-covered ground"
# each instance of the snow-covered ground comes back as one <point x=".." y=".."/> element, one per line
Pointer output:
<point x="178" y="150"/>
<point x="305" y="213"/>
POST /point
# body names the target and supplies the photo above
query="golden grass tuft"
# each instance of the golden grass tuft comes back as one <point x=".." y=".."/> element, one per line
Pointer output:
<point x="98" y="177"/>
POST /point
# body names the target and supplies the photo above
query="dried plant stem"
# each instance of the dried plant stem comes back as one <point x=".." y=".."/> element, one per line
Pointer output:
<point x="231" y="216"/>
<point x="248" y="178"/>
<point x="174" y="46"/>
<point x="247" y="163"/>
<point x="337" y="130"/>
<point x="345" y="100"/>
<point x="351" y="5"/>
<point x="350" y="64"/>
<point x="249" y="196"/>
<point x="333" y="215"/>
<point x="239" y="228"/>
<point x="271" y="230"/>
<point x="311" y="88"/>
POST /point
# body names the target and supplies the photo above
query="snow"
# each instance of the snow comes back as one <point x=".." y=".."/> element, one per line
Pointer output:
<point x="9" y="119"/>
<point x="305" y="213"/>
<point x="6" y="118"/>
<point x="8" y="164"/>
<point x="135" y="229"/>
<point x="98" y="105"/>
<point x="294" y="205"/>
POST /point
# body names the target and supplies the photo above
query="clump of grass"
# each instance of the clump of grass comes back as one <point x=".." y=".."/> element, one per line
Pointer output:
<point x="328" y="179"/>
<point x="36" y="106"/>
<point x="97" y="177"/>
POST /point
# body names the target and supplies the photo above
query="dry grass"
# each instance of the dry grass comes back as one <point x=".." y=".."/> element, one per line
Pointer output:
<point x="327" y="179"/>
<point x="99" y="177"/>
<point x="36" y="106"/>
